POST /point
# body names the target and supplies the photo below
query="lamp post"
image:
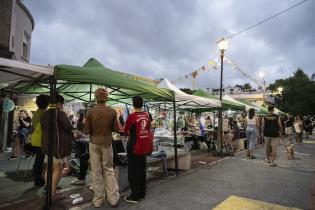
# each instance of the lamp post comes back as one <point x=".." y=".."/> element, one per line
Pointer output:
<point x="261" y="74"/>
<point x="222" y="44"/>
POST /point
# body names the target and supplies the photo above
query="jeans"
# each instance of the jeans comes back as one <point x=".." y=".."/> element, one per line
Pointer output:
<point x="137" y="175"/>
<point x="22" y="134"/>
<point x="81" y="151"/>
<point x="251" y="136"/>
<point x="38" y="165"/>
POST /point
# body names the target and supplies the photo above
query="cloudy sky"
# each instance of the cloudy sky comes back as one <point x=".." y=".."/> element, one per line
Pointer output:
<point x="172" y="38"/>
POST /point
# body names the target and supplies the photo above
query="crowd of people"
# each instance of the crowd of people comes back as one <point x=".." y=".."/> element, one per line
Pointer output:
<point x="98" y="125"/>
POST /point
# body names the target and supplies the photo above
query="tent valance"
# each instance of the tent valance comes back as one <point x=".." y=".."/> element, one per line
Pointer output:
<point x="225" y="103"/>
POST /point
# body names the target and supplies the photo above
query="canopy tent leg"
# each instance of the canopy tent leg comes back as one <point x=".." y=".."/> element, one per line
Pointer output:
<point x="213" y="118"/>
<point x="51" y="134"/>
<point x="90" y="95"/>
<point x="175" y="139"/>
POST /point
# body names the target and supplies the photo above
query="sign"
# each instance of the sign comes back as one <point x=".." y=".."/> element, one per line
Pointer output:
<point x="8" y="105"/>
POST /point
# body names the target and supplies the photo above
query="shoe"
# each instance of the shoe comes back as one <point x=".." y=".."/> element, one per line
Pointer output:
<point x="267" y="161"/>
<point x="78" y="182"/>
<point x="98" y="205"/>
<point x="13" y="158"/>
<point x="129" y="199"/>
<point x="57" y="197"/>
<point x="115" y="205"/>
<point x="252" y="157"/>
<point x="272" y="164"/>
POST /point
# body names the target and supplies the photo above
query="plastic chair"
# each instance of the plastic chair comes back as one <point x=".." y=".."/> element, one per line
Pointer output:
<point x="28" y="161"/>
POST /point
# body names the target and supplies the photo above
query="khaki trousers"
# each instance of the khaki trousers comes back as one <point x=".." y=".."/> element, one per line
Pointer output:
<point x="103" y="178"/>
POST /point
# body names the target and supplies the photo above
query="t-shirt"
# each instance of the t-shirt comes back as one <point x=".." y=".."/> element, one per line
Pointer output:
<point x="289" y="123"/>
<point x="271" y="128"/>
<point x="28" y="120"/>
<point x="137" y="126"/>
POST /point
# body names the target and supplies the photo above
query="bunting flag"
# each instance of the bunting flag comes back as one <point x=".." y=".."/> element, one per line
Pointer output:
<point x="243" y="72"/>
<point x="213" y="65"/>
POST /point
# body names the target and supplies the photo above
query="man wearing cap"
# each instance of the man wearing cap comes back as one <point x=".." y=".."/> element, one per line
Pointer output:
<point x="272" y="130"/>
<point x="100" y="122"/>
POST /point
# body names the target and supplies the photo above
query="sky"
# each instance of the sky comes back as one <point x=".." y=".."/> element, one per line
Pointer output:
<point x="172" y="38"/>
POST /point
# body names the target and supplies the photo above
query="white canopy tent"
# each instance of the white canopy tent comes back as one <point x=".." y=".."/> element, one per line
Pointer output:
<point x="14" y="72"/>
<point x="186" y="100"/>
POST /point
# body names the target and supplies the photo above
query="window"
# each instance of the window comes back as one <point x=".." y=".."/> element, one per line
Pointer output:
<point x="26" y="42"/>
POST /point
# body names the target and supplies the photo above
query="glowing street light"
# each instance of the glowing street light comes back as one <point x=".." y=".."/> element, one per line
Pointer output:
<point x="280" y="89"/>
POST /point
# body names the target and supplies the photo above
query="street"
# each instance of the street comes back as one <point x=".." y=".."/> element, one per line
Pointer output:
<point x="290" y="184"/>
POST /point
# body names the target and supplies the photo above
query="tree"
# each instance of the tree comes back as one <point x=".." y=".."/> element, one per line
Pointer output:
<point x="187" y="90"/>
<point x="247" y="87"/>
<point x="298" y="95"/>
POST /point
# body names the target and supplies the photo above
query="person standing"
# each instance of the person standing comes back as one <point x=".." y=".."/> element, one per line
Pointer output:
<point x="100" y="122"/>
<point x="298" y="129"/>
<point x="62" y="142"/>
<point x="308" y="126"/>
<point x="42" y="102"/>
<point x="288" y="123"/>
<point x="272" y="129"/>
<point x="138" y="129"/>
<point x="251" y="125"/>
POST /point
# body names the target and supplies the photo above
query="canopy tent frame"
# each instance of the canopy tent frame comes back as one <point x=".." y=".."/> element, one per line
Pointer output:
<point x="53" y="81"/>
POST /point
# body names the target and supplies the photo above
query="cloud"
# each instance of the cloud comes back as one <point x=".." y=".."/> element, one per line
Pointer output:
<point x="169" y="39"/>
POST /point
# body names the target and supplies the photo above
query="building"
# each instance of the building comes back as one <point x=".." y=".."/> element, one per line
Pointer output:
<point x="16" y="27"/>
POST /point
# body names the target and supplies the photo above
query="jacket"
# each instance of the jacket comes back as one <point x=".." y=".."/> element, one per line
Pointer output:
<point x="100" y="122"/>
<point x="63" y="135"/>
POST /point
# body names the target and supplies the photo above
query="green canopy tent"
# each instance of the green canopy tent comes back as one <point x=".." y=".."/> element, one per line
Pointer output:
<point x="75" y="82"/>
<point x="261" y="109"/>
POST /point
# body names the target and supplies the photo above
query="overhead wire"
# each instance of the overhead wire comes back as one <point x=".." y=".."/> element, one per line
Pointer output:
<point x="265" y="20"/>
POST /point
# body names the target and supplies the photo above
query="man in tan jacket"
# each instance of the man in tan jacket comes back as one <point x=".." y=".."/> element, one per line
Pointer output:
<point x="100" y="122"/>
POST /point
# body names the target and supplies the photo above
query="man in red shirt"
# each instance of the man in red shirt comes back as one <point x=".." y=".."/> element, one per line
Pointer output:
<point x="138" y="129"/>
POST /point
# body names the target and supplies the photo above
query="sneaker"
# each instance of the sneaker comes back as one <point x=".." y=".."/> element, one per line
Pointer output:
<point x="78" y="182"/>
<point x="267" y="161"/>
<point x="13" y="158"/>
<point x="272" y="164"/>
<point x="130" y="199"/>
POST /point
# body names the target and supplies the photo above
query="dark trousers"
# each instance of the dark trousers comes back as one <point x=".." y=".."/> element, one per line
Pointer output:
<point x="137" y="175"/>
<point x="81" y="151"/>
<point x="38" y="165"/>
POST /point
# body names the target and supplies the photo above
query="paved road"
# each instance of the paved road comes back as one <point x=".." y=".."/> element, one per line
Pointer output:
<point x="289" y="185"/>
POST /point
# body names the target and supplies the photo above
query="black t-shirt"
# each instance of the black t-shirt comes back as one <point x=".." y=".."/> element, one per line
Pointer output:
<point x="271" y="128"/>
<point x="28" y="120"/>
<point x="289" y="122"/>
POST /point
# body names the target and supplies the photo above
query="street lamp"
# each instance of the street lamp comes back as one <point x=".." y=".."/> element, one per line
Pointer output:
<point x="222" y="44"/>
<point x="261" y="75"/>
<point x="280" y="89"/>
